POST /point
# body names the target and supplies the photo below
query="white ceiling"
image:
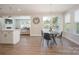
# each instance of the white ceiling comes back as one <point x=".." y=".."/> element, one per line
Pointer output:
<point x="34" y="8"/>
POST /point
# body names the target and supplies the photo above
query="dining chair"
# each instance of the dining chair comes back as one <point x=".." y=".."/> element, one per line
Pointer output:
<point x="47" y="38"/>
<point x="54" y="37"/>
<point x="60" y="37"/>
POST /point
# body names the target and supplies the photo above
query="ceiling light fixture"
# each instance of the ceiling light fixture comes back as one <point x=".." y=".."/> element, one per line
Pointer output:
<point x="18" y="9"/>
<point x="0" y="8"/>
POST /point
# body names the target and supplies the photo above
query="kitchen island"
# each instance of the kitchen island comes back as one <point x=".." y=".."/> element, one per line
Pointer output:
<point x="9" y="36"/>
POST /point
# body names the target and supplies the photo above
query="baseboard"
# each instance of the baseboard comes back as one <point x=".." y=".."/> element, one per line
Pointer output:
<point x="71" y="40"/>
<point x="35" y="35"/>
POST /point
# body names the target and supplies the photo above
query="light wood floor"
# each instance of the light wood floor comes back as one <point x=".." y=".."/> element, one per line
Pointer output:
<point x="32" y="46"/>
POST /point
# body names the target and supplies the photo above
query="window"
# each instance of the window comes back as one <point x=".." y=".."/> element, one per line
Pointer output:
<point x="71" y="22"/>
<point x="77" y="21"/>
<point x="46" y="22"/>
<point x="53" y="22"/>
<point x="23" y="21"/>
<point x="67" y="23"/>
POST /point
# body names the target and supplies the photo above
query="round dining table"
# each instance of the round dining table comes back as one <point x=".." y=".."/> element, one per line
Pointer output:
<point x="53" y="34"/>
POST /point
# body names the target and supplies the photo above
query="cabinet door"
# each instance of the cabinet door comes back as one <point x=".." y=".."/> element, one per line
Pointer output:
<point x="2" y="40"/>
<point x="8" y="36"/>
<point x="0" y="36"/>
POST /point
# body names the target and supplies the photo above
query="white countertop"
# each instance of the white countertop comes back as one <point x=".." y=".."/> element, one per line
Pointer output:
<point x="9" y="29"/>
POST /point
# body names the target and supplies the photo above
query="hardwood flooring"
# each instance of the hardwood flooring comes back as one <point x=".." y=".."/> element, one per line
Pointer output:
<point x="32" y="46"/>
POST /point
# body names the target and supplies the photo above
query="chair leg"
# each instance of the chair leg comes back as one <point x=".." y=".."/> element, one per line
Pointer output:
<point x="54" y="41"/>
<point x="51" y="43"/>
<point x="48" y="43"/>
<point x="61" y="41"/>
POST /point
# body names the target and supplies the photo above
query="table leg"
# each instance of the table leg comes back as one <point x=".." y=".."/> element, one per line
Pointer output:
<point x="54" y="39"/>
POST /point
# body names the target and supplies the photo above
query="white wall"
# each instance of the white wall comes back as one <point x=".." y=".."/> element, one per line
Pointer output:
<point x="1" y="23"/>
<point x="35" y="29"/>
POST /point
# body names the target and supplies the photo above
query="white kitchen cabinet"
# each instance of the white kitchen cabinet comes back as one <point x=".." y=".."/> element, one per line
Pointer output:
<point x="9" y="36"/>
<point x="6" y="37"/>
<point x="0" y="35"/>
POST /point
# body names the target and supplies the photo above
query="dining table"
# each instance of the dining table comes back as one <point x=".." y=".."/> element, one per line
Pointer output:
<point x="53" y="34"/>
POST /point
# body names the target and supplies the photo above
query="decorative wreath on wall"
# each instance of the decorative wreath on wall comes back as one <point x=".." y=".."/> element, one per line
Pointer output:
<point x="36" y="20"/>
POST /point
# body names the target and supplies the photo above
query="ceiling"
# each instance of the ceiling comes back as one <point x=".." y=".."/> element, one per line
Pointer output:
<point x="21" y="9"/>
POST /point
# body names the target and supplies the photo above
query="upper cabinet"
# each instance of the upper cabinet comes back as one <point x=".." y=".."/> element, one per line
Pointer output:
<point x="15" y="22"/>
<point x="9" y="23"/>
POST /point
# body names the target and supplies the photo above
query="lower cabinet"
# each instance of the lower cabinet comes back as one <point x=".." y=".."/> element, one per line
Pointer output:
<point x="6" y="37"/>
<point x="9" y="37"/>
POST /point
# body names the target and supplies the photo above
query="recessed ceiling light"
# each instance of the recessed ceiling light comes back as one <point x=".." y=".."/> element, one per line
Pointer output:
<point x="0" y="8"/>
<point x="18" y="9"/>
